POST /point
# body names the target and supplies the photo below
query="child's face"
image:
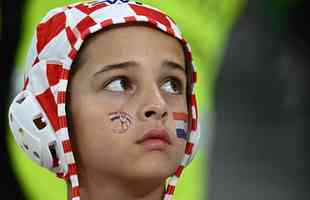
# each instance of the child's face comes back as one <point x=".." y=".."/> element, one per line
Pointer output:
<point x="131" y="80"/>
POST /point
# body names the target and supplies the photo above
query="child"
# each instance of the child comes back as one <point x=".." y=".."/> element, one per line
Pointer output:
<point x="116" y="116"/>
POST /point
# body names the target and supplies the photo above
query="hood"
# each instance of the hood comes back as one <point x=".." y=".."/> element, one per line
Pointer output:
<point x="56" y="42"/>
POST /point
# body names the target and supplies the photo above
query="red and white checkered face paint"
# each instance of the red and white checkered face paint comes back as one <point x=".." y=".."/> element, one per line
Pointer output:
<point x="55" y="44"/>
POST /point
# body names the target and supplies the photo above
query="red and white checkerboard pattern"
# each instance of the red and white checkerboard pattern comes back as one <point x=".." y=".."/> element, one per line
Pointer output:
<point x="55" y="44"/>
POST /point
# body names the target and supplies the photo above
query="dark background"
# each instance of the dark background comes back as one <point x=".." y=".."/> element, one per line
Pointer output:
<point x="11" y="12"/>
<point x="260" y="144"/>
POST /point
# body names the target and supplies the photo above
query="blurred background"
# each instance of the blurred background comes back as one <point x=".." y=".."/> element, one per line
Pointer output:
<point x="252" y="58"/>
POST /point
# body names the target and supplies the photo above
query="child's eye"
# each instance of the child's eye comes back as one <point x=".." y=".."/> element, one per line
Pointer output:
<point x="172" y="86"/>
<point x="119" y="84"/>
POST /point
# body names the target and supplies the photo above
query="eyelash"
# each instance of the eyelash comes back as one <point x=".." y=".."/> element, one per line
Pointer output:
<point x="120" y="78"/>
<point x="173" y="79"/>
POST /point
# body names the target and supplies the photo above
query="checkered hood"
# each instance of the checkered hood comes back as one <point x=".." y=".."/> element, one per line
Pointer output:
<point x="55" y="44"/>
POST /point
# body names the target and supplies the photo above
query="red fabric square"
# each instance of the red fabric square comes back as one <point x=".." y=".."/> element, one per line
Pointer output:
<point x="61" y="97"/>
<point x="72" y="53"/>
<point x="194" y="124"/>
<point x="72" y="170"/>
<point x="75" y="192"/>
<point x="106" y="22"/>
<point x="83" y="25"/>
<point x="64" y="74"/>
<point x="130" y="19"/>
<point x="48" y="30"/>
<point x="53" y="72"/>
<point x="151" y="13"/>
<point x="71" y="36"/>
<point x="189" y="148"/>
<point x="88" y="9"/>
<point x="170" y="189"/>
<point x="62" y="122"/>
<point x="179" y="170"/>
<point x="46" y="100"/>
<point x="66" y="145"/>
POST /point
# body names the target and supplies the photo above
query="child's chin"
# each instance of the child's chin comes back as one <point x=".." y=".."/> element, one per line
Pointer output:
<point x="156" y="168"/>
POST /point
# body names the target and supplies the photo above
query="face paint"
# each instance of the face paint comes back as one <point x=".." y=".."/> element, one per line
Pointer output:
<point x="121" y="121"/>
<point x="181" y="124"/>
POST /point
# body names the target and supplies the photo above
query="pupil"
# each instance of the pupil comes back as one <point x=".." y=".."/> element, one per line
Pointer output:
<point x="174" y="86"/>
<point x="124" y="84"/>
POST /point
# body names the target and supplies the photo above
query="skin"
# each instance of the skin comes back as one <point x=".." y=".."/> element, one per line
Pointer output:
<point x="113" y="166"/>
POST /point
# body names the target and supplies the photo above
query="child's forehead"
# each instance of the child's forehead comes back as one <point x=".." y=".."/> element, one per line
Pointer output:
<point x="125" y="33"/>
<point x="126" y="39"/>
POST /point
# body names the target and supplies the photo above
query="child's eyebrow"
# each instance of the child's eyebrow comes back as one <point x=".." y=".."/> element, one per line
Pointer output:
<point x="122" y="65"/>
<point x="173" y="65"/>
<point x="129" y="64"/>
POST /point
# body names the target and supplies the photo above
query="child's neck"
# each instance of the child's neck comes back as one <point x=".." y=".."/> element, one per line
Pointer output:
<point x="96" y="188"/>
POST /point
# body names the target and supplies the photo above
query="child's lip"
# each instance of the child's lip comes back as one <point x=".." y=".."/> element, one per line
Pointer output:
<point x="157" y="136"/>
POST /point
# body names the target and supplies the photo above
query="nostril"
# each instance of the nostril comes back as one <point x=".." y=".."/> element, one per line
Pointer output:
<point x="164" y="115"/>
<point x="149" y="113"/>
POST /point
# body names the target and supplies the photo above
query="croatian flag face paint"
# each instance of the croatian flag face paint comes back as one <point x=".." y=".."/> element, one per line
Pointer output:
<point x="181" y="124"/>
<point x="121" y="121"/>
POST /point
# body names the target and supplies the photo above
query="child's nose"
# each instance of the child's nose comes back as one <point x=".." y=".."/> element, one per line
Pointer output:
<point x="155" y="114"/>
<point x="154" y="106"/>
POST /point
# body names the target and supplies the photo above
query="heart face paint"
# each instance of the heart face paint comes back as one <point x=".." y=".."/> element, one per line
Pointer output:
<point x="181" y="124"/>
<point x="121" y="120"/>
